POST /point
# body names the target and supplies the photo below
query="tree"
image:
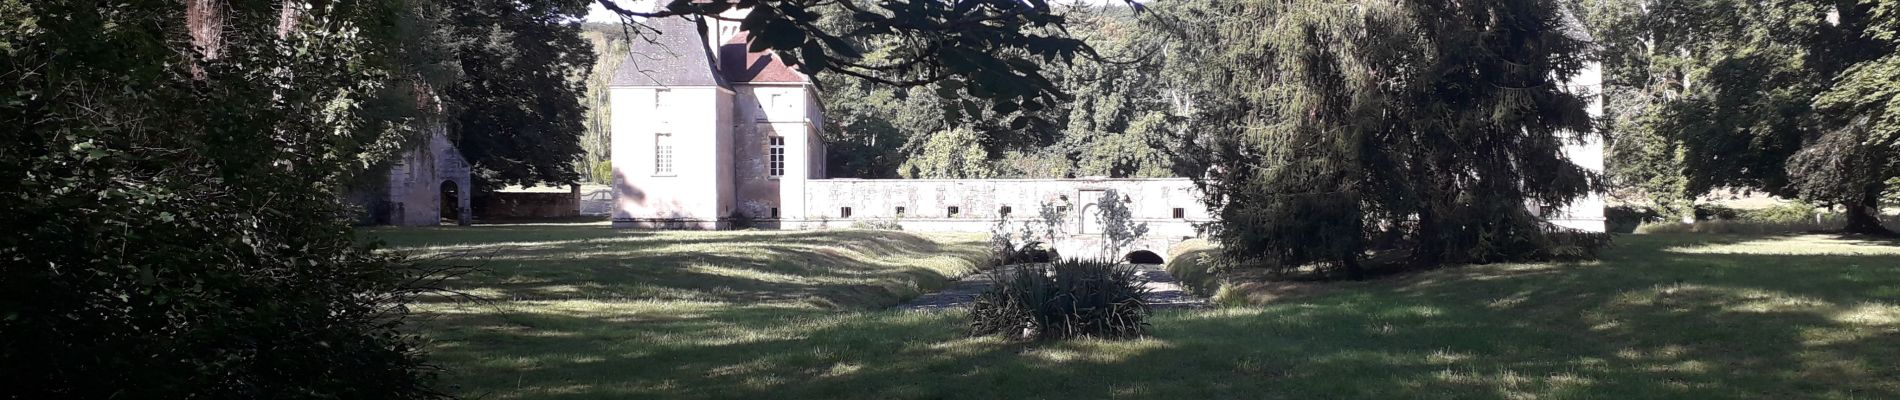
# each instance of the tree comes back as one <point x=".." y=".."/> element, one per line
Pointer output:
<point x="1436" y="120"/>
<point x="982" y="57"/>
<point x="1114" y="123"/>
<point x="1785" y="97"/>
<point x="610" y="46"/>
<point x="174" y="214"/>
<point x="516" y="109"/>
<point x="949" y="155"/>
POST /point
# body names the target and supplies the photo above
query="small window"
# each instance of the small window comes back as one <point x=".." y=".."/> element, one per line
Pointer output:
<point x="774" y="212"/>
<point x="663" y="154"/>
<point x="1180" y="213"/>
<point x="775" y="154"/>
<point x="900" y="211"/>
<point x="662" y="108"/>
<point x="953" y="211"/>
<point x="844" y="212"/>
<point x="1003" y="211"/>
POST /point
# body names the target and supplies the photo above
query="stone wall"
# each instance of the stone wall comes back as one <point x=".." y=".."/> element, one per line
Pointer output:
<point x="1167" y="209"/>
<point x="528" y="205"/>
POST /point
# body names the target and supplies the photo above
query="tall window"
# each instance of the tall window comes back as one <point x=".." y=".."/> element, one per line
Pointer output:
<point x="663" y="154"/>
<point x="775" y="156"/>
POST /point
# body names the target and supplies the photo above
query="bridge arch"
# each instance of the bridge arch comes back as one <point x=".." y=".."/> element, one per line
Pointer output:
<point x="1142" y="257"/>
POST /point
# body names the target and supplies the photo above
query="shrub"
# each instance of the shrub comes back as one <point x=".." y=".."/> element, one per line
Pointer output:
<point x="1625" y="219"/>
<point x="1704" y="212"/>
<point x="1194" y="264"/>
<point x="875" y="224"/>
<point x="1063" y="299"/>
<point x="1007" y="251"/>
<point x="1793" y="213"/>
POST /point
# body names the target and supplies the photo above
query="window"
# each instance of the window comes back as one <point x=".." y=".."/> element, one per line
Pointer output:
<point x="774" y="212"/>
<point x="663" y="109"/>
<point x="663" y="154"/>
<point x="900" y="211"/>
<point x="953" y="212"/>
<point x="1003" y="211"/>
<point x="844" y="212"/>
<point x="1180" y="213"/>
<point x="775" y="157"/>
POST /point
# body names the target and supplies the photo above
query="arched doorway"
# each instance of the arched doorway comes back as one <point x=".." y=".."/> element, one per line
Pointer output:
<point x="451" y="202"/>
<point x="1143" y="257"/>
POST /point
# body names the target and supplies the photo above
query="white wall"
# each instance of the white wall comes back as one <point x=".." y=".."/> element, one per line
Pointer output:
<point x="690" y="196"/>
<point x="1586" y="213"/>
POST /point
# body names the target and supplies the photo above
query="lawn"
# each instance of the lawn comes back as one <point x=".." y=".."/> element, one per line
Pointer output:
<point x="587" y="312"/>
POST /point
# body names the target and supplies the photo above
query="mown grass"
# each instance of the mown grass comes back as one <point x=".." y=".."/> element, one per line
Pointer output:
<point x="590" y="313"/>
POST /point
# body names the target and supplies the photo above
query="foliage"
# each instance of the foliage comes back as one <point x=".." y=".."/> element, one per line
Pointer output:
<point x="602" y="172"/>
<point x="1784" y="213"/>
<point x="610" y="48"/>
<point x="1119" y="229"/>
<point x="174" y="175"/>
<point x="516" y="108"/>
<point x="1439" y="121"/>
<point x="981" y="58"/>
<point x="1794" y="97"/>
<point x="1063" y="299"/>
<point x="1023" y="246"/>
<point x="1625" y="219"/>
<point x="1116" y="121"/>
<point x="949" y="155"/>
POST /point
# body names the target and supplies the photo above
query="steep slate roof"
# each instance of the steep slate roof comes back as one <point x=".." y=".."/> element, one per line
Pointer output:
<point x="763" y="66"/>
<point x="674" y="57"/>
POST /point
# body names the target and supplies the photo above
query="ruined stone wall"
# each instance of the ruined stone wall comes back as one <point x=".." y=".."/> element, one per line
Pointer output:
<point x="1167" y="209"/>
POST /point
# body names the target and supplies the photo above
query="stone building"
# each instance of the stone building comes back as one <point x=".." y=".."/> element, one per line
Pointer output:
<point x="709" y="136"/>
<point x="427" y="186"/>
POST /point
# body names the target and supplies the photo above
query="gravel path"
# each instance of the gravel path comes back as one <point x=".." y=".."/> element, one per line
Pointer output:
<point x="1163" y="292"/>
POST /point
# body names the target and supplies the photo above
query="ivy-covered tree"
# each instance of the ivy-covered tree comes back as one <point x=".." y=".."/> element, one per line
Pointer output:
<point x="1324" y="127"/>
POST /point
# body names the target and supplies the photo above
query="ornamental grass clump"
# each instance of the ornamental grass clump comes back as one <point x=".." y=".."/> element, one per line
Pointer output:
<point x="1063" y="299"/>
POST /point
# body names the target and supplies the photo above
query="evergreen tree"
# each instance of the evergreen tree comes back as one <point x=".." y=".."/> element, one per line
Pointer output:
<point x="1321" y="126"/>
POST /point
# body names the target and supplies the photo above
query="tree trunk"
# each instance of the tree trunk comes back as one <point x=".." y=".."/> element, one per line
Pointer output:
<point x="1863" y="216"/>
